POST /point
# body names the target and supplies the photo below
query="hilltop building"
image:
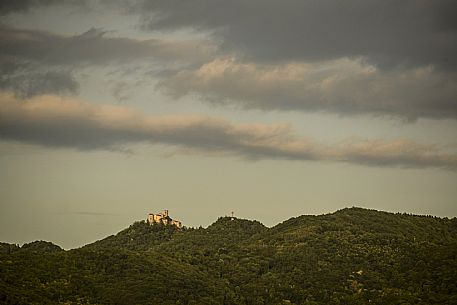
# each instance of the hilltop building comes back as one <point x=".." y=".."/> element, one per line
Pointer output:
<point x="163" y="218"/>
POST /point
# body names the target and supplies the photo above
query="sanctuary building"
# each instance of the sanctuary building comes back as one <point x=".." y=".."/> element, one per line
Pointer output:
<point x="163" y="218"/>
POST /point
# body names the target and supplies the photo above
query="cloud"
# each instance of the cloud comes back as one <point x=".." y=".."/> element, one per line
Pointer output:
<point x="341" y="86"/>
<point x="354" y="57"/>
<point x="94" y="48"/>
<point x="36" y="62"/>
<point x="61" y="122"/>
<point x="13" y="6"/>
<point x="27" y="84"/>
<point x="387" y="33"/>
<point x="357" y="57"/>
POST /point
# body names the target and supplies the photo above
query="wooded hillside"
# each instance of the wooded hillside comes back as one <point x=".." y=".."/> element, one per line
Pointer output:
<point x="352" y="256"/>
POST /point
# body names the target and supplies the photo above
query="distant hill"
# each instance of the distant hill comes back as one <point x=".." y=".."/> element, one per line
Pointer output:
<point x="41" y="246"/>
<point x="352" y="256"/>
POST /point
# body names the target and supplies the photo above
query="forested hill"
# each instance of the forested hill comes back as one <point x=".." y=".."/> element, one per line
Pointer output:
<point x="352" y="256"/>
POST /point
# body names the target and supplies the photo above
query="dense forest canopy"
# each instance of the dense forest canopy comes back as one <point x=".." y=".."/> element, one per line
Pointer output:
<point x="352" y="256"/>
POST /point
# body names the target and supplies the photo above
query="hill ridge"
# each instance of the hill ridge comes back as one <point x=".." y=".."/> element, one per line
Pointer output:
<point x="351" y="256"/>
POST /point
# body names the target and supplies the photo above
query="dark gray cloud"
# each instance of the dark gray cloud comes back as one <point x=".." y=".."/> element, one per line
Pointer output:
<point x="387" y="33"/>
<point x="22" y="6"/>
<point x="37" y="62"/>
<point x="29" y="84"/>
<point x="93" y="47"/>
<point x="26" y="6"/>
<point x="353" y="57"/>
<point x="343" y="86"/>
<point x="58" y="122"/>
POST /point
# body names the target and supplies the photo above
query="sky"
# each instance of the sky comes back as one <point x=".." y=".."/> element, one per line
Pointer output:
<point x="110" y="110"/>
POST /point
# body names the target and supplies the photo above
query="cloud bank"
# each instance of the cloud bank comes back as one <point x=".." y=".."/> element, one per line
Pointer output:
<point x="353" y="57"/>
<point x="387" y="33"/>
<point x="357" y="57"/>
<point x="37" y="62"/>
<point x="341" y="86"/>
<point x="93" y="47"/>
<point x="22" y="6"/>
<point x="61" y="122"/>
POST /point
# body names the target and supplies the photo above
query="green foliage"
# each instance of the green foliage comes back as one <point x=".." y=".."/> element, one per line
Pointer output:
<point x="6" y="248"/>
<point x="139" y="236"/>
<point x="41" y="246"/>
<point x="353" y="256"/>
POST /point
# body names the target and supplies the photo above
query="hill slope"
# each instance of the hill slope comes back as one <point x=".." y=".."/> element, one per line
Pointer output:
<point x="352" y="256"/>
